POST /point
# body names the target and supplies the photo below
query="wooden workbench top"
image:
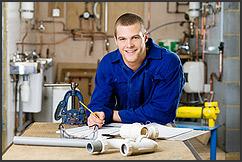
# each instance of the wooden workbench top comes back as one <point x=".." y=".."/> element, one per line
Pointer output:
<point x="167" y="150"/>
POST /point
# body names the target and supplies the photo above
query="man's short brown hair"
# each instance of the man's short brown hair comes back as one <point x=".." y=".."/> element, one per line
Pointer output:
<point x="128" y="19"/>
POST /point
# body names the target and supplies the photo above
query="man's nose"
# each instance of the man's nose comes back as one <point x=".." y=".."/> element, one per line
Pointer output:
<point x="129" y="43"/>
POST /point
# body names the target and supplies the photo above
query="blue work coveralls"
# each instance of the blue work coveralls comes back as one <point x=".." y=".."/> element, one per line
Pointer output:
<point x="150" y="94"/>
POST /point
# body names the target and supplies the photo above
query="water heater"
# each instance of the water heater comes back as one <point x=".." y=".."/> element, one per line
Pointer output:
<point x="194" y="74"/>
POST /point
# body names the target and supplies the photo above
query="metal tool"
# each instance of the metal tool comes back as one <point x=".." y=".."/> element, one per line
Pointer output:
<point x="72" y="116"/>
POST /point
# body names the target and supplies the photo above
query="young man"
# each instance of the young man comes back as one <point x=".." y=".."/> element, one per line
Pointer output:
<point x="138" y="82"/>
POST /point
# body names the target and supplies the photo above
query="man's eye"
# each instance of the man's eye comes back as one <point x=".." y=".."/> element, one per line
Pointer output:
<point x="121" y="39"/>
<point x="136" y="37"/>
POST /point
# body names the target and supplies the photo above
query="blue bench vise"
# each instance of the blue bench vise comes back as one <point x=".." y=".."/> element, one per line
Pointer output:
<point x="72" y="116"/>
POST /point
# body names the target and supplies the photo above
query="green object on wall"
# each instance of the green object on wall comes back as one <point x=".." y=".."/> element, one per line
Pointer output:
<point x="161" y="44"/>
<point x="171" y="45"/>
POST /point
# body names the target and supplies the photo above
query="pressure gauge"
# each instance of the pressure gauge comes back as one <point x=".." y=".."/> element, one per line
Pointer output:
<point x="86" y="15"/>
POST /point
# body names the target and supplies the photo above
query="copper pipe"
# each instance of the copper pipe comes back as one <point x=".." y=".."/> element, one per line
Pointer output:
<point x="149" y="15"/>
<point x="90" y="32"/>
<point x="80" y="37"/>
<point x="51" y="21"/>
<point x="203" y="27"/>
<point x="39" y="44"/>
<point x="196" y="28"/>
<point x="45" y="32"/>
<point x="25" y="35"/>
<point x="82" y="34"/>
<point x="214" y="75"/>
<point x="75" y="31"/>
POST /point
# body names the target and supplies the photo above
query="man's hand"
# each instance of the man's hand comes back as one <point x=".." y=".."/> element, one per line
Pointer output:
<point x="92" y="119"/>
<point x="116" y="117"/>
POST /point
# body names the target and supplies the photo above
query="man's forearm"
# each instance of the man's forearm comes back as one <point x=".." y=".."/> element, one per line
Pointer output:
<point x="116" y="117"/>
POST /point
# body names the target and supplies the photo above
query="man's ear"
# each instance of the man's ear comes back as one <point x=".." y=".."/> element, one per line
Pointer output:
<point x="146" y="37"/>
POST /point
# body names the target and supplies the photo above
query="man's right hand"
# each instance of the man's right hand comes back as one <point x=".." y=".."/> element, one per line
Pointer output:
<point x="92" y="119"/>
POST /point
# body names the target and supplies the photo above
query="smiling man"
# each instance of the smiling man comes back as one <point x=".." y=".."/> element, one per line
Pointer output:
<point x="138" y="82"/>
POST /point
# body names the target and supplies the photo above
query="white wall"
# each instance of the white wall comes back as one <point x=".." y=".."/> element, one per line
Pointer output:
<point x="13" y="34"/>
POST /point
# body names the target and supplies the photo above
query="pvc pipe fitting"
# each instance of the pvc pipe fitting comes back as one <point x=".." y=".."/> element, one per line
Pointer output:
<point x="141" y="145"/>
<point x="102" y="145"/>
<point x="133" y="131"/>
<point x="153" y="132"/>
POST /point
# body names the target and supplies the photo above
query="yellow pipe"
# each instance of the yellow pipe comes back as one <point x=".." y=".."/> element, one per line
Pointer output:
<point x="189" y="112"/>
<point x="209" y="111"/>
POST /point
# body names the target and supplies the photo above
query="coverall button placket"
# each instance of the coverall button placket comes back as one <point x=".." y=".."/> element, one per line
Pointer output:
<point x="132" y="83"/>
<point x="131" y="91"/>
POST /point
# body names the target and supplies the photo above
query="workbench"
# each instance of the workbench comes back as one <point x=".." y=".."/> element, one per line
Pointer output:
<point x="167" y="150"/>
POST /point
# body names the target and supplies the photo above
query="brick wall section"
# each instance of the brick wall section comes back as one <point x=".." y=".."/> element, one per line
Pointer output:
<point x="227" y="92"/>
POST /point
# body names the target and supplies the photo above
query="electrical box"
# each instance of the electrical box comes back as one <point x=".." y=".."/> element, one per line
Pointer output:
<point x="194" y="75"/>
<point x="56" y="12"/>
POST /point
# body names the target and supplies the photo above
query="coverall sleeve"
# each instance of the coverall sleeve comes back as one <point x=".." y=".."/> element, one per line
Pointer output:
<point x="163" y="101"/>
<point x="102" y="98"/>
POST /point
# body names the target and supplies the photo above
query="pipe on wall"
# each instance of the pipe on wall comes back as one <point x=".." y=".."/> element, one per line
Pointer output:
<point x="148" y="16"/>
<point x="221" y="52"/>
<point x="106" y="18"/>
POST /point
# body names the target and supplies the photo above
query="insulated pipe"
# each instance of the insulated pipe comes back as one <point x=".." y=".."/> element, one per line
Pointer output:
<point x="141" y="145"/>
<point x="102" y="145"/>
<point x="132" y="131"/>
<point x="43" y="141"/>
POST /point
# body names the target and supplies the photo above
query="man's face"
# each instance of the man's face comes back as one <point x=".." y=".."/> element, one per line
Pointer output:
<point x="131" y="43"/>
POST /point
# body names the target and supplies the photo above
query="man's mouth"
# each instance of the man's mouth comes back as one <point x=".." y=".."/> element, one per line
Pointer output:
<point x="130" y="51"/>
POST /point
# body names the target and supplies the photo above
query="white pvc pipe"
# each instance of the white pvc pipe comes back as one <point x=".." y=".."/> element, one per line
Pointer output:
<point x="106" y="18"/>
<point x="132" y="131"/>
<point x="222" y="22"/>
<point x="102" y="145"/>
<point x="44" y="141"/>
<point x="153" y="132"/>
<point x="141" y="145"/>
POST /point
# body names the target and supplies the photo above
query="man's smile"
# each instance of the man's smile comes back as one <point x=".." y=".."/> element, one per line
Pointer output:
<point x="130" y="51"/>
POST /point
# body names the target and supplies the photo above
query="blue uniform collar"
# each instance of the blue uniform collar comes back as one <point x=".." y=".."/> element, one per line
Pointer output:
<point x="154" y="52"/>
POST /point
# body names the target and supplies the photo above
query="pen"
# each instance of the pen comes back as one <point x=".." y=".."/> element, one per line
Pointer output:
<point x="88" y="109"/>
